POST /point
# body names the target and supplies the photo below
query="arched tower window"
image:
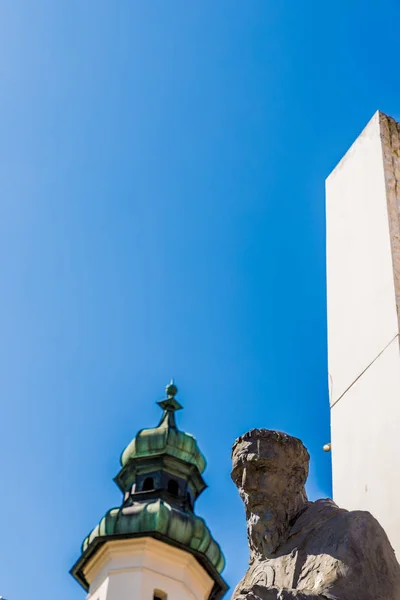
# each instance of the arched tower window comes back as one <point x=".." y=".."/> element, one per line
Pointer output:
<point x="159" y="595"/>
<point x="148" y="484"/>
<point x="173" y="487"/>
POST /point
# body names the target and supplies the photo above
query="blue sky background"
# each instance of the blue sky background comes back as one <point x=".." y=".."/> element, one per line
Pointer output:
<point x="162" y="171"/>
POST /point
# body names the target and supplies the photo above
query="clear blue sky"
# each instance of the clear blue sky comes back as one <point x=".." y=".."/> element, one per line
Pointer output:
<point x="162" y="171"/>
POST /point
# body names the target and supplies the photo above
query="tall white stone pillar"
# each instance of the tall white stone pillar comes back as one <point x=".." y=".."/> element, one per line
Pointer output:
<point x="363" y="274"/>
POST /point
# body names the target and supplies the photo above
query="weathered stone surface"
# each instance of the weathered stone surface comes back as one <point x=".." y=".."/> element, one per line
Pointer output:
<point x="363" y="289"/>
<point x="299" y="549"/>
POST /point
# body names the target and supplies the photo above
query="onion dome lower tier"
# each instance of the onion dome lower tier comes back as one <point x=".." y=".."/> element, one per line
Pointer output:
<point x="159" y="517"/>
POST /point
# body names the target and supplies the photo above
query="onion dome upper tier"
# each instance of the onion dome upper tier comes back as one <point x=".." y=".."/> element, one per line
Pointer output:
<point x="166" y="438"/>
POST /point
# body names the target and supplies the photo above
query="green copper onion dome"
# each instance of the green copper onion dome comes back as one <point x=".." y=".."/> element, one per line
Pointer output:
<point x="166" y="437"/>
<point x="161" y="479"/>
<point x="158" y="516"/>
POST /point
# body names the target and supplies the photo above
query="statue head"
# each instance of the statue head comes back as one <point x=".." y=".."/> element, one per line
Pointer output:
<point x="270" y="469"/>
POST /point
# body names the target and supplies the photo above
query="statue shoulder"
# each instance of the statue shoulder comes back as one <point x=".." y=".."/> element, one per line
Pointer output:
<point x="373" y="557"/>
<point x="357" y="528"/>
<point x="365" y="529"/>
<point x="356" y="523"/>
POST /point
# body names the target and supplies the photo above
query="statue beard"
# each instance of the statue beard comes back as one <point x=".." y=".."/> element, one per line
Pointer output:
<point x="269" y="520"/>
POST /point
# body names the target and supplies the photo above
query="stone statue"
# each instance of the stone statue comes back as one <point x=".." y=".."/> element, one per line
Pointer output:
<point x="299" y="549"/>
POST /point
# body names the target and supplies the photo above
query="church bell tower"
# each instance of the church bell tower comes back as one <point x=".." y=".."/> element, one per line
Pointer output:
<point x="154" y="546"/>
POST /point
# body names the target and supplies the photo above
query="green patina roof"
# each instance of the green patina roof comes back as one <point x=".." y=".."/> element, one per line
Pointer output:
<point x="163" y="454"/>
<point x="166" y="438"/>
<point x="159" y="517"/>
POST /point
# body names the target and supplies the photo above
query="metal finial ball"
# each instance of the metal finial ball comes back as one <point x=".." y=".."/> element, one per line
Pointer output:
<point x="327" y="447"/>
<point x="171" y="389"/>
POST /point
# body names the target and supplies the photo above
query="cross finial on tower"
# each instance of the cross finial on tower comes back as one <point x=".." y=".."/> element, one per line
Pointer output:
<point x="170" y="405"/>
<point x="171" y="390"/>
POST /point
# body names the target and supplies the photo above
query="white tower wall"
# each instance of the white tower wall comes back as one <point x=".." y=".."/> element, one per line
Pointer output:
<point x="363" y="266"/>
<point x="139" y="569"/>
